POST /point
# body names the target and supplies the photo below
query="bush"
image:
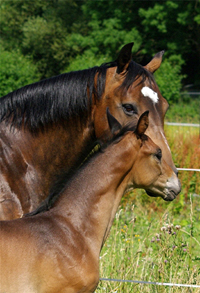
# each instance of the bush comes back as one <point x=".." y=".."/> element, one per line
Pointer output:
<point x="169" y="78"/>
<point x="15" y="71"/>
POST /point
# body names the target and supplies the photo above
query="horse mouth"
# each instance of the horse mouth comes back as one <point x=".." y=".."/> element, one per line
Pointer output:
<point x="170" y="195"/>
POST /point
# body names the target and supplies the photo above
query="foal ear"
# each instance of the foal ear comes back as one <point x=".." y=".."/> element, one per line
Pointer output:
<point x="142" y="124"/>
<point x="114" y="124"/>
<point x="124" y="58"/>
<point x="155" y="63"/>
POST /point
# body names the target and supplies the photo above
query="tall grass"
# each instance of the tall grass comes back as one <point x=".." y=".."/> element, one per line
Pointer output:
<point x="157" y="241"/>
<point x="187" y="110"/>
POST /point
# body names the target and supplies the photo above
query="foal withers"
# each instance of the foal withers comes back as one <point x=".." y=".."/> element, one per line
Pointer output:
<point x="57" y="250"/>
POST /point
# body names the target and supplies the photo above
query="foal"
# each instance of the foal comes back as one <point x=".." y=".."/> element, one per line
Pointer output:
<point x="57" y="250"/>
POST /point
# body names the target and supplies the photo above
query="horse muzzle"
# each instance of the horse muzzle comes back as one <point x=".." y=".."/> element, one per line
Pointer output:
<point x="170" y="191"/>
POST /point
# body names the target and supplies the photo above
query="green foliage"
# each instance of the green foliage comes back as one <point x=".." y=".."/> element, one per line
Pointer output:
<point x="185" y="112"/>
<point x="15" y="71"/>
<point x="57" y="33"/>
<point x="45" y="41"/>
<point x="39" y="29"/>
<point x="169" y="78"/>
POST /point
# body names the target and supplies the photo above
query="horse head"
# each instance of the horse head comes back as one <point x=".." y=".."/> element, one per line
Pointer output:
<point x="130" y="91"/>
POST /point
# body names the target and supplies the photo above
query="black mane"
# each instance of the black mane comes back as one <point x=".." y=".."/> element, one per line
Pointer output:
<point x="52" y="99"/>
<point x="61" y="97"/>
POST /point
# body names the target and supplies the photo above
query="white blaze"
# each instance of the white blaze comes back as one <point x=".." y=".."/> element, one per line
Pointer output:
<point x="147" y="92"/>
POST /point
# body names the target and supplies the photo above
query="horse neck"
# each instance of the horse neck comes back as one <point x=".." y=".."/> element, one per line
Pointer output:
<point x="47" y="153"/>
<point x="61" y="145"/>
<point x="94" y="195"/>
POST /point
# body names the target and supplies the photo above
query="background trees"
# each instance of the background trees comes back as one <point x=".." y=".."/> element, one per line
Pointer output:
<point x="56" y="36"/>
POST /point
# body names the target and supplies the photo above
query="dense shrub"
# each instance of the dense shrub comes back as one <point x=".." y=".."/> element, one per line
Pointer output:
<point x="15" y="71"/>
<point x="169" y="78"/>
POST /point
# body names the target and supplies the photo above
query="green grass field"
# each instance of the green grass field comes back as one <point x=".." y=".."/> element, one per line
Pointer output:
<point x="157" y="241"/>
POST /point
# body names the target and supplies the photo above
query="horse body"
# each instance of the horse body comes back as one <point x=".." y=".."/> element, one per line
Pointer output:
<point x="31" y="163"/>
<point x="48" y="127"/>
<point x="57" y="250"/>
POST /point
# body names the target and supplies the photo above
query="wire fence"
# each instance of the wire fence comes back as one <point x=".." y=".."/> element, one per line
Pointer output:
<point x="182" y="124"/>
<point x="150" y="283"/>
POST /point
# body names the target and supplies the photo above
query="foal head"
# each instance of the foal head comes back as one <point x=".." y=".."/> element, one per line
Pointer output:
<point x="149" y="169"/>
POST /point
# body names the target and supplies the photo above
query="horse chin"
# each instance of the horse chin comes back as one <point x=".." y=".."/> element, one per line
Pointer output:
<point x="168" y="195"/>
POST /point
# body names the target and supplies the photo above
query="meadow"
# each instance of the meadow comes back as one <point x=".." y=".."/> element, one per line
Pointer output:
<point x="157" y="241"/>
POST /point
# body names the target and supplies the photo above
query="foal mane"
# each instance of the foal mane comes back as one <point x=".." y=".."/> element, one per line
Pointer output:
<point x="62" y="97"/>
<point x="65" y="178"/>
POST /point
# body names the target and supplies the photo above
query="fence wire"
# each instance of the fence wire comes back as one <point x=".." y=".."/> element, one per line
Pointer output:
<point x="150" y="283"/>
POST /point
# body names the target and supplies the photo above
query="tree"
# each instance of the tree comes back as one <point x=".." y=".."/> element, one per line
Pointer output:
<point x="69" y="35"/>
<point x="15" y="71"/>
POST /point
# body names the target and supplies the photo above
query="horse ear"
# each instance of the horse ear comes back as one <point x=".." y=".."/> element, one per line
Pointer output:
<point x="114" y="124"/>
<point x="155" y="63"/>
<point x="142" y="124"/>
<point x="124" y="58"/>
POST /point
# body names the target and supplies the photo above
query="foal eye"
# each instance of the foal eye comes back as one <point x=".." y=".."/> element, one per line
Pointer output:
<point x="158" y="154"/>
<point x="129" y="109"/>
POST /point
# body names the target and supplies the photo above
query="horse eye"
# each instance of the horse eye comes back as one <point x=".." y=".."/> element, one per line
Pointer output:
<point x="129" y="109"/>
<point x="158" y="154"/>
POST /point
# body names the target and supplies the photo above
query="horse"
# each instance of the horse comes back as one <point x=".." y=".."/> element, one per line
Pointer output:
<point x="57" y="247"/>
<point x="50" y="126"/>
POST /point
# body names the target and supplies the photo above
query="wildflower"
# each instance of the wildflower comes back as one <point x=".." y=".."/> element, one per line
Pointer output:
<point x="165" y="261"/>
<point x="163" y="229"/>
<point x="157" y="239"/>
<point x="184" y="249"/>
<point x="177" y="227"/>
<point x="173" y="247"/>
<point x="153" y="239"/>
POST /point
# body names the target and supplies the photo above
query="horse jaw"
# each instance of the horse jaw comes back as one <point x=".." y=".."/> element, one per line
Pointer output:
<point x="169" y="191"/>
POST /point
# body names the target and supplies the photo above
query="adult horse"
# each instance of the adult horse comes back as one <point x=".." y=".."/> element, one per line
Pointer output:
<point x="57" y="249"/>
<point x="50" y="126"/>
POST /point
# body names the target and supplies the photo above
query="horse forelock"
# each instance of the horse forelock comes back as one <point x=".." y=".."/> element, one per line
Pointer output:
<point x="57" y="98"/>
<point x="136" y="72"/>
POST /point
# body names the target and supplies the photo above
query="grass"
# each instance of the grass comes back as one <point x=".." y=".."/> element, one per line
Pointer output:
<point x="151" y="245"/>
<point x="156" y="241"/>
<point x="185" y="111"/>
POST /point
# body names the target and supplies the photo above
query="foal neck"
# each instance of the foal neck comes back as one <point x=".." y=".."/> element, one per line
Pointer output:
<point x="91" y="199"/>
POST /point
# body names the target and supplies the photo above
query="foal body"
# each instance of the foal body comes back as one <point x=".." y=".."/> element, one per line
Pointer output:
<point x="57" y="251"/>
